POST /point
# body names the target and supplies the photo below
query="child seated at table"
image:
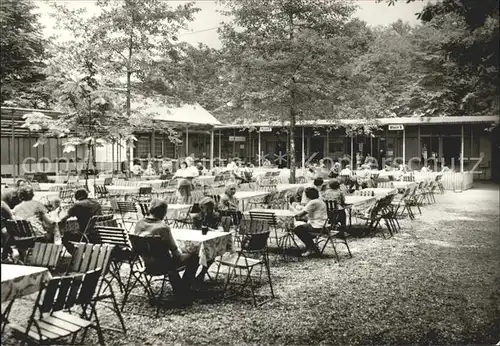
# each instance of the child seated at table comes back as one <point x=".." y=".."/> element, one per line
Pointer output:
<point x="334" y="193"/>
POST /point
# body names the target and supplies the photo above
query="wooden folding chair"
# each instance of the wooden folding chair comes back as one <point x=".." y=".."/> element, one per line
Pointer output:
<point x="253" y="253"/>
<point x="45" y="255"/>
<point x="62" y="293"/>
<point x="22" y="236"/>
<point x="128" y="212"/>
<point x="158" y="262"/>
<point x="88" y="257"/>
<point x="122" y="254"/>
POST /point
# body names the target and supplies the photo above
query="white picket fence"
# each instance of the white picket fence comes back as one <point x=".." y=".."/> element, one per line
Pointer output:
<point x="454" y="181"/>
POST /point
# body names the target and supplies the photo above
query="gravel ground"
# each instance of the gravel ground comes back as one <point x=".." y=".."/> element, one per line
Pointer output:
<point x="435" y="282"/>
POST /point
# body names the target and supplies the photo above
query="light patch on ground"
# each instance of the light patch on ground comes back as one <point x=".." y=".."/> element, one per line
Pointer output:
<point x="438" y="243"/>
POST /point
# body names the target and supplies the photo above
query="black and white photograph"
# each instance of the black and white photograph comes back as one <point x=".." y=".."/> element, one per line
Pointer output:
<point x="250" y="172"/>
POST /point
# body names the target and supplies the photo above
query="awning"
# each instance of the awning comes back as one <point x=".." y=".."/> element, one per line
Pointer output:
<point x="187" y="114"/>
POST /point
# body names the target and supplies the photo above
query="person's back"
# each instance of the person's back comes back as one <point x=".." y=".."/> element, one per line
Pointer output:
<point x="316" y="213"/>
<point x="83" y="210"/>
<point x="32" y="211"/>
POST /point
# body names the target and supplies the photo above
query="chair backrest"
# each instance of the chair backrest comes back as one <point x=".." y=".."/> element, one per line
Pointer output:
<point x="100" y="190"/>
<point x="112" y="235"/>
<point x="65" y="292"/>
<point x="94" y="220"/>
<point x="369" y="193"/>
<point x="225" y="222"/>
<point x="66" y="195"/>
<point x="145" y="190"/>
<point x="266" y="216"/>
<point x="144" y="209"/>
<point x="19" y="228"/>
<point x="108" y="181"/>
<point x="46" y="255"/>
<point x="195" y="209"/>
<point x="253" y="226"/>
<point x="255" y="242"/>
<point x="173" y="182"/>
<point x="87" y="257"/>
<point x="153" y="251"/>
<point x="233" y="214"/>
<point x="126" y="207"/>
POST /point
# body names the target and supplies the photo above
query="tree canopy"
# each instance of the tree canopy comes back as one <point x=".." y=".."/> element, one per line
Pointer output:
<point x="22" y="51"/>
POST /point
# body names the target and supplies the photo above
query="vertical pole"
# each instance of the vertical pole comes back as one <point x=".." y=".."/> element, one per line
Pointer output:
<point x="260" y="153"/>
<point x="471" y="154"/>
<point x="153" y="144"/>
<point x="112" y="158"/>
<point x="371" y="144"/>
<point x="352" y="153"/>
<point x="303" y="151"/>
<point x="419" y="144"/>
<point x="13" y="153"/>
<point x="220" y="146"/>
<point x="234" y="142"/>
<point x="404" y="145"/>
<point x="249" y="149"/>
<point x="327" y="146"/>
<point x="212" y="149"/>
<point x="187" y="140"/>
<point x="462" y="150"/>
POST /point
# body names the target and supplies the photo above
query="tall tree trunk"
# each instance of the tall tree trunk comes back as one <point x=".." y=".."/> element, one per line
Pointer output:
<point x="87" y="165"/>
<point x="129" y="141"/>
<point x="292" y="143"/>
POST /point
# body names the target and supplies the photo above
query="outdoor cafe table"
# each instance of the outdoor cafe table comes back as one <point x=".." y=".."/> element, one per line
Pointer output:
<point x="207" y="247"/>
<point x="358" y="202"/>
<point x="243" y="196"/>
<point x="41" y="195"/>
<point x="122" y="190"/>
<point x="382" y="192"/>
<point x="205" y="180"/>
<point x="289" y="187"/>
<point x="402" y="184"/>
<point x="284" y="217"/>
<point x="20" y="280"/>
<point x="176" y="211"/>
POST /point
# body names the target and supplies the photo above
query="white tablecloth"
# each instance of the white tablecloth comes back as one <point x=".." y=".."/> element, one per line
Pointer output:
<point x="20" y="280"/>
<point x="208" y="246"/>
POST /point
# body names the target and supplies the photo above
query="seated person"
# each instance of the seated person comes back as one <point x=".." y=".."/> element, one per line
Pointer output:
<point x="136" y="168"/>
<point x="296" y="199"/>
<point x="153" y="225"/>
<point x="184" y="185"/>
<point x="227" y="200"/>
<point x="83" y="209"/>
<point x="216" y="170"/>
<point x="207" y="216"/>
<point x="11" y="197"/>
<point x="315" y="210"/>
<point x="201" y="169"/>
<point x="335" y="170"/>
<point x="228" y="204"/>
<point x="6" y="215"/>
<point x="317" y="184"/>
<point x="230" y="164"/>
<point x="334" y="193"/>
<point x="239" y="173"/>
<point x="34" y="212"/>
<point x="346" y="171"/>
<point x="150" y="171"/>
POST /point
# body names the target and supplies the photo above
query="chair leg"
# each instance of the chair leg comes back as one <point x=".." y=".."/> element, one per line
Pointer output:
<point x="268" y="270"/>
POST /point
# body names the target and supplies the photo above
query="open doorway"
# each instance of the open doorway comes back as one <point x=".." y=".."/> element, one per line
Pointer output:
<point x="451" y="152"/>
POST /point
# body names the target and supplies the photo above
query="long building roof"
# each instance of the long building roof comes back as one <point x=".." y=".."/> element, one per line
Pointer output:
<point x="486" y="119"/>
